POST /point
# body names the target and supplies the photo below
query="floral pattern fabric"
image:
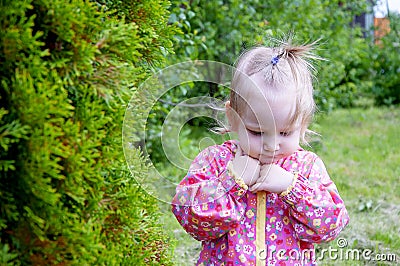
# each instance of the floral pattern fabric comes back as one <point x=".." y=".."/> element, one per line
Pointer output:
<point x="214" y="209"/>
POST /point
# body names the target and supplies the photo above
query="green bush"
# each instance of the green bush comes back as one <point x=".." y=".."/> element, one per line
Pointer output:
<point x="68" y="71"/>
<point x="385" y="61"/>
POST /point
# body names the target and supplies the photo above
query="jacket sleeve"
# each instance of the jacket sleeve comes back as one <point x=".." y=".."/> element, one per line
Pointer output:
<point x="317" y="212"/>
<point x="208" y="202"/>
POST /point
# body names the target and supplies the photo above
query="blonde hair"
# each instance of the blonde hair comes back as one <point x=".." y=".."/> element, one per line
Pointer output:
<point x="283" y="66"/>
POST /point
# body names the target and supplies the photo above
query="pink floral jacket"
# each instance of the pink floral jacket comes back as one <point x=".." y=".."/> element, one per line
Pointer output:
<point x="214" y="209"/>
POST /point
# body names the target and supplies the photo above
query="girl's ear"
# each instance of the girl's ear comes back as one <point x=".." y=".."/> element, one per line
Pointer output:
<point x="232" y="116"/>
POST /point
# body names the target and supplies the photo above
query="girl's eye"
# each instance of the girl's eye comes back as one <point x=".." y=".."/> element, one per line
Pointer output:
<point x="285" y="134"/>
<point x="256" y="133"/>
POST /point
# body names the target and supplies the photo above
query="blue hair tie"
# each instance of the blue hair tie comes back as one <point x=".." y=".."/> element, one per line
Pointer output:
<point x="275" y="60"/>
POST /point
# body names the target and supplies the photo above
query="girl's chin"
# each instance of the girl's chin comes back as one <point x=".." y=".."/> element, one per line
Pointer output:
<point x="266" y="160"/>
<point x="263" y="159"/>
<point x="269" y="160"/>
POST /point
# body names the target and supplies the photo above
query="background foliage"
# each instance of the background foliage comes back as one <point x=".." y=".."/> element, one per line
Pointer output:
<point x="385" y="64"/>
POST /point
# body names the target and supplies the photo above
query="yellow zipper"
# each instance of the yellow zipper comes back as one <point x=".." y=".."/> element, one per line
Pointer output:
<point x="260" y="228"/>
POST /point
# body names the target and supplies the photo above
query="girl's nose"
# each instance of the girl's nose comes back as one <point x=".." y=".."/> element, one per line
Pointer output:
<point x="271" y="144"/>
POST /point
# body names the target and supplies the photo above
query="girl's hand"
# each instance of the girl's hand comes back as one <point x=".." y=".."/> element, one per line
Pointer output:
<point x="273" y="178"/>
<point x="246" y="167"/>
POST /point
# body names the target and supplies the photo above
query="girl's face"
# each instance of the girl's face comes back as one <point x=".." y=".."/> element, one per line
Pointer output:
<point x="263" y="127"/>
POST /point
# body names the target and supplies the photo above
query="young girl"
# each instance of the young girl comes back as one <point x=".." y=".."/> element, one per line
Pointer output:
<point x="261" y="199"/>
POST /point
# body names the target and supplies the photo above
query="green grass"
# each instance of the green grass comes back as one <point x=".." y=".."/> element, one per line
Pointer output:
<point x="360" y="148"/>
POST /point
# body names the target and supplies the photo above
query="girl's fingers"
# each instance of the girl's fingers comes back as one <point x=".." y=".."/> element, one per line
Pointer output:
<point x="266" y="166"/>
<point x="254" y="187"/>
<point x="257" y="187"/>
<point x="238" y="152"/>
<point x="259" y="184"/>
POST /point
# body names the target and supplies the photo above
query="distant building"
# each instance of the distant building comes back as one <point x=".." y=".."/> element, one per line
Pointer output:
<point x="372" y="26"/>
<point x="366" y="22"/>
<point x="382" y="27"/>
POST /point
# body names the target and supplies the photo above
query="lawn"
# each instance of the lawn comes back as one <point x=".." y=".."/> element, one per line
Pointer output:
<point x="360" y="148"/>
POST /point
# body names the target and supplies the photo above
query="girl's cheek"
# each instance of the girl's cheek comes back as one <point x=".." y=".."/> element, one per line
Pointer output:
<point x="256" y="144"/>
<point x="257" y="139"/>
